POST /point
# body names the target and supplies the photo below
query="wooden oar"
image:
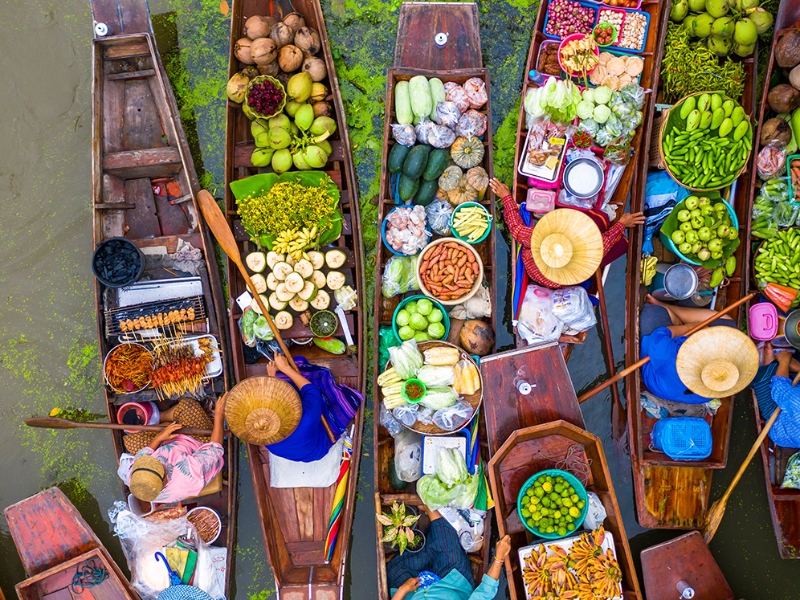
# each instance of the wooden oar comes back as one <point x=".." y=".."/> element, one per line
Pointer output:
<point x="717" y="511"/>
<point x="57" y="423"/>
<point x="628" y="370"/>
<point x="222" y="232"/>
<point x="618" y="416"/>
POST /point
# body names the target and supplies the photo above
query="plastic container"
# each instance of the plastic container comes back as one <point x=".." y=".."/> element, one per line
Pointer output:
<point x="573" y="481"/>
<point x="682" y="438"/>
<point x="789" y="160"/>
<point x="436" y="304"/>
<point x="569" y="178"/>
<point x="432" y="444"/>
<point x="604" y="8"/>
<point x="567" y="40"/>
<point x="622" y="31"/>
<point x="143" y="409"/>
<point x="136" y="258"/>
<point x="213" y="512"/>
<point x="383" y="233"/>
<point x="404" y="391"/>
<point x="592" y="5"/>
<point x="467" y="205"/>
<point x="598" y="152"/>
<point x="614" y="34"/>
<point x="542" y="46"/>
<point x="763" y="321"/>
<point x="540" y="176"/>
<point x="540" y="202"/>
<point x="791" y="329"/>
<point x="105" y="372"/>
<point x="668" y="243"/>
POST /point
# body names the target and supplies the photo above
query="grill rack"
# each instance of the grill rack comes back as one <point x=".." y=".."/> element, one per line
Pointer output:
<point x="114" y="316"/>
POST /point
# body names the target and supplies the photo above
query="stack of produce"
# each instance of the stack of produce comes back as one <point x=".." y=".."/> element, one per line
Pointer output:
<point x="727" y="27"/>
<point x="551" y="505"/>
<point x="565" y="17"/>
<point x="706" y="233"/>
<point x="438" y="123"/>
<point x="449" y="270"/>
<point x="611" y="117"/>
<point x="773" y="209"/>
<point x="706" y="141"/>
<point x="284" y="77"/>
<point x="778" y="260"/>
<point x="421" y="320"/>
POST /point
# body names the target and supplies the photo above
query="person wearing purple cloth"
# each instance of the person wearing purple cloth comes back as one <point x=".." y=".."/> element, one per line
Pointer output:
<point x="310" y="441"/>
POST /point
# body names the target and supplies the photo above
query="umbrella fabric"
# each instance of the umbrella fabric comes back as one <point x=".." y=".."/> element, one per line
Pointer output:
<point x="338" y="497"/>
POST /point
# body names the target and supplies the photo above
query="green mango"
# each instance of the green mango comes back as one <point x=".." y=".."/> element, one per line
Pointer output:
<point x="703" y="102"/>
<point x="717" y="117"/>
<point x="705" y="119"/>
<point x="687" y="107"/>
<point x="737" y="116"/>
<point x="741" y="129"/>
<point x="716" y="101"/>
<point x="693" y="120"/>
<point x="725" y="127"/>
<point x="716" y="277"/>
<point x="730" y="266"/>
<point x="727" y="106"/>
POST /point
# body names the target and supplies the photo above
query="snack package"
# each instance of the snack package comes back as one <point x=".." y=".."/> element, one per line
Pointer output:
<point x="536" y="321"/>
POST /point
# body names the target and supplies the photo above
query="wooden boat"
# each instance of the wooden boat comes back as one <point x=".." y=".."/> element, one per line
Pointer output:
<point x="784" y="504"/>
<point x="529" y="433"/>
<point x="294" y="522"/>
<point x="137" y="137"/>
<point x="630" y="181"/>
<point x="685" y="559"/>
<point x="675" y="494"/>
<point x="417" y="54"/>
<point x="53" y="542"/>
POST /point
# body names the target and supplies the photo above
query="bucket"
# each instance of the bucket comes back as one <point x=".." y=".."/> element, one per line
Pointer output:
<point x="145" y="410"/>
<point x="763" y="322"/>
<point x="674" y="282"/>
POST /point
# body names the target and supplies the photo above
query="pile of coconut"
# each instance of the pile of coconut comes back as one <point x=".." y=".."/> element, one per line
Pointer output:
<point x="276" y="48"/>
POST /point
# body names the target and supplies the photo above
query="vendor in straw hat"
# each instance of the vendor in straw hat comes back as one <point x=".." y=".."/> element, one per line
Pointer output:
<point x="715" y="362"/>
<point x="569" y="246"/>
<point x="173" y="466"/>
<point x="774" y="388"/>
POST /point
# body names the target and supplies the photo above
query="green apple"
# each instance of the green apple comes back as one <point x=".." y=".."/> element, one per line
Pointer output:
<point x="723" y="231"/>
<point x="703" y="254"/>
<point x="691" y="202"/>
<point x="692" y="237"/>
<point x="715" y="245"/>
<point x="698" y="222"/>
<point x="686" y="227"/>
<point x="696" y="247"/>
<point x="734" y="234"/>
<point x="704" y="233"/>
<point x="706" y="210"/>
<point x="678" y="237"/>
<point x="716" y="255"/>
<point x="696" y="212"/>
<point x="684" y="215"/>
<point x="685" y="248"/>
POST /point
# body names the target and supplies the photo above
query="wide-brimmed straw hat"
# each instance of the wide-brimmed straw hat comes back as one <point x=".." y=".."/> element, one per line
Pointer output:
<point x="263" y="410"/>
<point x="147" y="478"/>
<point x="717" y="362"/>
<point x="567" y="246"/>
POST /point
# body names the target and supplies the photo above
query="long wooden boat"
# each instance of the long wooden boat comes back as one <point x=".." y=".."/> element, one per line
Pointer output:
<point x="53" y="542"/>
<point x="784" y="504"/>
<point x="294" y="522"/>
<point x="629" y="184"/>
<point x="138" y="142"/>
<point x="416" y="53"/>
<point x="675" y="494"/>
<point x="527" y="433"/>
<point x="686" y="560"/>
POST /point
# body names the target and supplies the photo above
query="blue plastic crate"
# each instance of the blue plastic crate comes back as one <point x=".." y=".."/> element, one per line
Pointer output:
<point x="593" y="5"/>
<point x="682" y="438"/>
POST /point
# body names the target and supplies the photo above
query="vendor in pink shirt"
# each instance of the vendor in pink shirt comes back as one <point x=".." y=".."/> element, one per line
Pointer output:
<point x="174" y="467"/>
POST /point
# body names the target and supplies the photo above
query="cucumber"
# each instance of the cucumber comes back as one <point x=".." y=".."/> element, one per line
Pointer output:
<point x="408" y="187"/>
<point x="402" y="103"/>
<point x="332" y="345"/>
<point x="438" y="159"/>
<point x="397" y="155"/>
<point x="416" y="160"/>
<point x="420" y="95"/>
<point x="426" y="192"/>
<point x="437" y="94"/>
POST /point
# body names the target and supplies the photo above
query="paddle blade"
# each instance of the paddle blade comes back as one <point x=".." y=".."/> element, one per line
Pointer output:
<point x="50" y="423"/>
<point x="215" y="219"/>
<point x="713" y="519"/>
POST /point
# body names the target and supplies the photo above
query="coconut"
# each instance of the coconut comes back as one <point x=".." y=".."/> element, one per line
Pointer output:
<point x="679" y="11"/>
<point x="283" y="77"/>
<point x="722" y="27"/>
<point x="697" y="6"/>
<point x="242" y="51"/>
<point x="237" y="87"/>
<point x="717" y="8"/>
<point x="744" y="51"/>
<point x="316" y="68"/>
<point x="299" y="87"/>
<point x="794" y="77"/>
<point x="256" y="27"/>
<point x="787" y="52"/>
<point x="318" y="92"/>
<point x="272" y="69"/>
<point x="323" y="109"/>
<point x="322" y="125"/>
<point x="783" y="98"/>
<point x="721" y="46"/>
<point x="290" y="58"/>
<point x="250" y="71"/>
<point x="745" y="32"/>
<point x="776" y="129"/>
<point x="745" y="5"/>
<point x="308" y="41"/>
<point x="281" y="34"/>
<point x="702" y="25"/>
<point x="477" y="337"/>
<point x="294" y="20"/>
<point x="281" y="161"/>
<point x="263" y="51"/>
<point x="762" y="19"/>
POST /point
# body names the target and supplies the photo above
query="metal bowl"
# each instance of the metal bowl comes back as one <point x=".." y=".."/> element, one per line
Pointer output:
<point x="601" y="177"/>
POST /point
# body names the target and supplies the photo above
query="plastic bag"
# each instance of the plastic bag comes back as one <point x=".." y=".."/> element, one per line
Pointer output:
<point x="440" y="136"/>
<point x="471" y="124"/>
<point x="404" y="134"/>
<point x="447" y="114"/>
<point x="634" y="95"/>
<point x="406" y="414"/>
<point x="780" y="295"/>
<point x="436" y="377"/>
<point x="399" y="276"/>
<point x="536" y="321"/>
<point x="614" y="127"/>
<point x="619" y="153"/>
<point x="425" y="416"/>
<point x="455" y="93"/>
<point x="406" y="359"/>
<point x="438" y="213"/>
<point x="771" y="160"/>
<point x="571" y="306"/>
<point x="791" y="478"/>
<point x="477" y="307"/>
<point x="262" y="329"/>
<point x="786" y="213"/>
<point x="406" y="230"/>
<point x="387" y="420"/>
<point x="475" y="90"/>
<point x="436" y="494"/>
<point x="408" y="455"/>
<point x="453" y="417"/>
<point x="441" y="397"/>
<point x="619" y="107"/>
<point x="246" y="322"/>
<point x="596" y="513"/>
<point x="590" y="126"/>
<point x="424" y="130"/>
<point x="603" y="137"/>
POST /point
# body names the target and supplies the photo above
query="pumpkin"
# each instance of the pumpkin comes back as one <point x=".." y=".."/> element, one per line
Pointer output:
<point x="479" y="179"/>
<point x="467" y="152"/>
<point x="463" y="193"/>
<point x="450" y="178"/>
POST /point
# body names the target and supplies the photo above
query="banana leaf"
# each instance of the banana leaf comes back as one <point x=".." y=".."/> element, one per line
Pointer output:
<point x="260" y="184"/>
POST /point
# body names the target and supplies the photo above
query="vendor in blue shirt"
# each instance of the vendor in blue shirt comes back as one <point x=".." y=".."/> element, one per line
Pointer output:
<point x="310" y="441"/>
<point x="441" y="569"/>
<point x="663" y="328"/>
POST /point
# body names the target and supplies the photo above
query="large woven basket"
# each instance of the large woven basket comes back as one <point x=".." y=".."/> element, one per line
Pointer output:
<point x="263" y="410"/>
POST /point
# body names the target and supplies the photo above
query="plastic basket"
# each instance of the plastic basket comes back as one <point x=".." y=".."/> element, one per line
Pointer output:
<point x="488" y="222"/>
<point x="621" y="32"/>
<point x="592" y="5"/>
<point x="383" y="233"/>
<point x="404" y="392"/>
<point x="574" y="482"/>
<point x="789" y="160"/>
<point x="683" y="438"/>
<point x="436" y="304"/>
<point x="570" y="38"/>
<point x="614" y="37"/>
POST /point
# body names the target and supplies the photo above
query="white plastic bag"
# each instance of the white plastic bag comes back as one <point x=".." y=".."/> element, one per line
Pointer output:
<point x="406" y="414"/>
<point x="438" y="213"/>
<point x="536" y="321"/>
<point x="408" y="455"/>
<point x="596" y="513"/>
<point x="571" y="306"/>
<point x="453" y="417"/>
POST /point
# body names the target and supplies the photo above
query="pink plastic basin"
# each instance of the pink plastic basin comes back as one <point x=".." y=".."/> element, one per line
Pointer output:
<point x="763" y="321"/>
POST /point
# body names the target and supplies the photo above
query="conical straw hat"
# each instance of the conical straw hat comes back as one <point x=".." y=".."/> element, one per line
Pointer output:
<point x="717" y="362"/>
<point x="567" y="246"/>
<point x="147" y="478"/>
<point x="263" y="410"/>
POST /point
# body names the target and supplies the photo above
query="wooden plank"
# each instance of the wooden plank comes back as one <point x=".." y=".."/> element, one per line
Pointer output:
<point x="131" y="50"/>
<point x="135" y="16"/>
<point x="114" y="206"/>
<point x="418" y="24"/>
<point x="671" y="497"/>
<point x="131" y="75"/>
<point x="552" y="398"/>
<point x="686" y="559"/>
<point x="150" y="163"/>
<point x="172" y="218"/>
<point x="143" y="221"/>
<point x="142" y="127"/>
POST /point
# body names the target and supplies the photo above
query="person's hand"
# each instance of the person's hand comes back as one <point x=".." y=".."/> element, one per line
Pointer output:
<point x="219" y="409"/>
<point x="409" y="585"/>
<point x="629" y="220"/>
<point x="169" y="433"/>
<point x="499" y="188"/>
<point x="502" y="548"/>
<point x="784" y="358"/>
<point x="272" y="369"/>
<point x="282" y="363"/>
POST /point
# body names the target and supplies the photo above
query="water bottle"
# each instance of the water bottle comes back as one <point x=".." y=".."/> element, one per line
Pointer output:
<point x="538" y="78"/>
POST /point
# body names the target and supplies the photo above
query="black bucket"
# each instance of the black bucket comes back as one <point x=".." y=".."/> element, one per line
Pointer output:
<point x="117" y="262"/>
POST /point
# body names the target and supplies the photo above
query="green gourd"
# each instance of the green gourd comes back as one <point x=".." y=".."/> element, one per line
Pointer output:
<point x="437" y="95"/>
<point x="420" y="93"/>
<point x="402" y="103"/>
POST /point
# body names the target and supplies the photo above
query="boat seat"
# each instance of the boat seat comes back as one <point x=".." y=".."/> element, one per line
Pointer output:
<point x="214" y="486"/>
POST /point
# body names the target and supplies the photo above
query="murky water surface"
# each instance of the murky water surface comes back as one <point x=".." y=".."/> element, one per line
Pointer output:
<point x="48" y="351"/>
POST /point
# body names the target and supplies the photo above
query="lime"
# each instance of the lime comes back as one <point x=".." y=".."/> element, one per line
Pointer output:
<point x="581" y="504"/>
<point x="529" y="492"/>
<point x="560" y="479"/>
<point x="557" y="514"/>
<point x="525" y="513"/>
<point x="571" y="527"/>
<point x="538" y="491"/>
<point x="562" y="531"/>
<point x="554" y="497"/>
<point x="547" y="487"/>
<point x="549" y="530"/>
<point x="566" y="502"/>
<point x="537" y="516"/>
<point x="535" y="500"/>
<point x="574" y="497"/>
<point x="571" y="490"/>
<point x="565" y="494"/>
<point x="544" y="511"/>
<point x="546" y="502"/>
<point x="559" y="488"/>
<point x="574" y="512"/>
<point x="530" y="523"/>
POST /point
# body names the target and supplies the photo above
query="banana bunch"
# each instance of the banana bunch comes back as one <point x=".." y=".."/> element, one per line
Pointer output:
<point x="648" y="269"/>
<point x="605" y="575"/>
<point x="294" y="242"/>
<point x="391" y="384"/>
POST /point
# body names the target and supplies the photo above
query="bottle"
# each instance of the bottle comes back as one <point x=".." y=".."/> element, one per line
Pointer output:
<point x="538" y="78"/>
<point x="686" y="591"/>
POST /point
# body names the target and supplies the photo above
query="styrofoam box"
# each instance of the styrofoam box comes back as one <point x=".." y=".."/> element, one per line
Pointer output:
<point x="431" y="446"/>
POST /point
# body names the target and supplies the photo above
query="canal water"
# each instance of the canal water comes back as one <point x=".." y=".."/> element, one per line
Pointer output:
<point x="48" y="349"/>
